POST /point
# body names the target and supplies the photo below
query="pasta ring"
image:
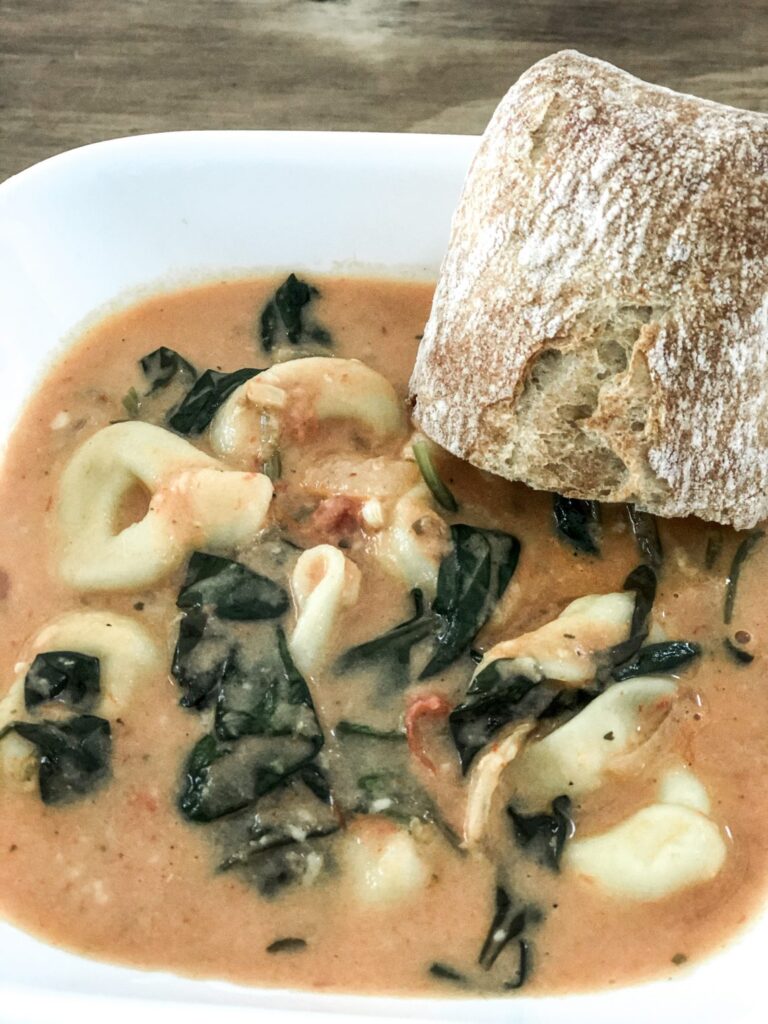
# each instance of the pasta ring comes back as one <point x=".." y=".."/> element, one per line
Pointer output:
<point x="195" y="502"/>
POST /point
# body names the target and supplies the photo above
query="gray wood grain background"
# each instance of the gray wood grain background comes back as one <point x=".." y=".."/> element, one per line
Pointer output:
<point x="74" y="71"/>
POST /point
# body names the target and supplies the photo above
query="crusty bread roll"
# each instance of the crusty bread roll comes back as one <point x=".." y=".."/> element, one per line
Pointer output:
<point x="600" y="326"/>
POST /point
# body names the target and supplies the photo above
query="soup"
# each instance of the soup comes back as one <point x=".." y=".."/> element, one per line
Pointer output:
<point x="294" y="698"/>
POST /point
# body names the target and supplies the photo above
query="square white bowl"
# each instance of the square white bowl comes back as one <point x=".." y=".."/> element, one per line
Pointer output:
<point x="94" y="229"/>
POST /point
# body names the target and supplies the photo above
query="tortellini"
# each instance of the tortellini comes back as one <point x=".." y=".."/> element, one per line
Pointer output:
<point x="384" y="867"/>
<point x="565" y="648"/>
<point x="324" y="583"/>
<point x="414" y="540"/>
<point x="576" y="758"/>
<point x="127" y="655"/>
<point x="249" y="424"/>
<point x="659" y="850"/>
<point x="195" y="502"/>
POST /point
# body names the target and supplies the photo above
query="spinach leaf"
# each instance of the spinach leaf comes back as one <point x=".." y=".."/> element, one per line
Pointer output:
<point x="230" y="590"/>
<point x="524" y="965"/>
<point x="544" y="836"/>
<point x="498" y="695"/>
<point x="743" y="551"/>
<point x="287" y="945"/>
<point x="643" y="581"/>
<point x="223" y="777"/>
<point x="201" y="658"/>
<point x="268" y="697"/>
<point x="713" y="549"/>
<point x="131" y="402"/>
<point x="303" y="864"/>
<point x="653" y="658"/>
<point x="162" y="366"/>
<point x="281" y="839"/>
<point x="345" y="728"/>
<point x="292" y="813"/>
<point x="646" y="534"/>
<point x="393" y="648"/>
<point x="425" y="462"/>
<point x="74" y="757"/>
<point x="472" y="578"/>
<point x="66" y="676"/>
<point x="509" y="920"/>
<point x="201" y="403"/>
<point x="446" y="973"/>
<point x="265" y="729"/>
<point x="286" y="312"/>
<point x="737" y="654"/>
<point x="577" y="522"/>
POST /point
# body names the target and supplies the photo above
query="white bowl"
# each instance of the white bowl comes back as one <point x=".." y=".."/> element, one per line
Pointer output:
<point x="93" y="229"/>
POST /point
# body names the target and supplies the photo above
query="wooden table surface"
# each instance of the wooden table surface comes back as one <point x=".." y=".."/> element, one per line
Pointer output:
<point x="74" y="71"/>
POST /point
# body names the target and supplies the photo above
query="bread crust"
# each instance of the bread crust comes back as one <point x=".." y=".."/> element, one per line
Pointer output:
<point x="600" y="325"/>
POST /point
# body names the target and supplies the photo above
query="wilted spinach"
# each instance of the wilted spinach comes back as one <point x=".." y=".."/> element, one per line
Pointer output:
<point x="642" y="581"/>
<point x="472" y="578"/>
<point x="577" y="521"/>
<point x="265" y="697"/>
<point x="286" y="315"/>
<point x="543" y="836"/>
<point x="498" y="695"/>
<point x="66" y="676"/>
<point x="74" y="756"/>
<point x="737" y="654"/>
<point x="163" y="366"/>
<point x="392" y="649"/>
<point x="201" y="658"/>
<point x="743" y="551"/>
<point x="662" y="657"/>
<point x="646" y="533"/>
<point x="265" y="729"/>
<point x="230" y="590"/>
<point x="201" y="403"/>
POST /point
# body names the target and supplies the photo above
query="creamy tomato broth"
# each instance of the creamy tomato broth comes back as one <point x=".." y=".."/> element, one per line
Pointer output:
<point x="280" y="712"/>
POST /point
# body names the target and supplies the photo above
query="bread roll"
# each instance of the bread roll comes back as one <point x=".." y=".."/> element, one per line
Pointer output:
<point x="600" y="326"/>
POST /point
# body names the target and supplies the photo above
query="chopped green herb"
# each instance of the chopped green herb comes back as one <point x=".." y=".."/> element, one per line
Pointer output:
<point x="66" y="676"/>
<point x="201" y="403"/>
<point x="425" y="462"/>
<point x="132" y="403"/>
<point x="577" y="522"/>
<point x="544" y="836"/>
<point x="743" y="551"/>
<point x="74" y="756"/>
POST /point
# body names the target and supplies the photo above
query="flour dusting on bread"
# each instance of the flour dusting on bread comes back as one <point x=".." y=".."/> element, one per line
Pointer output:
<point x="600" y="326"/>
